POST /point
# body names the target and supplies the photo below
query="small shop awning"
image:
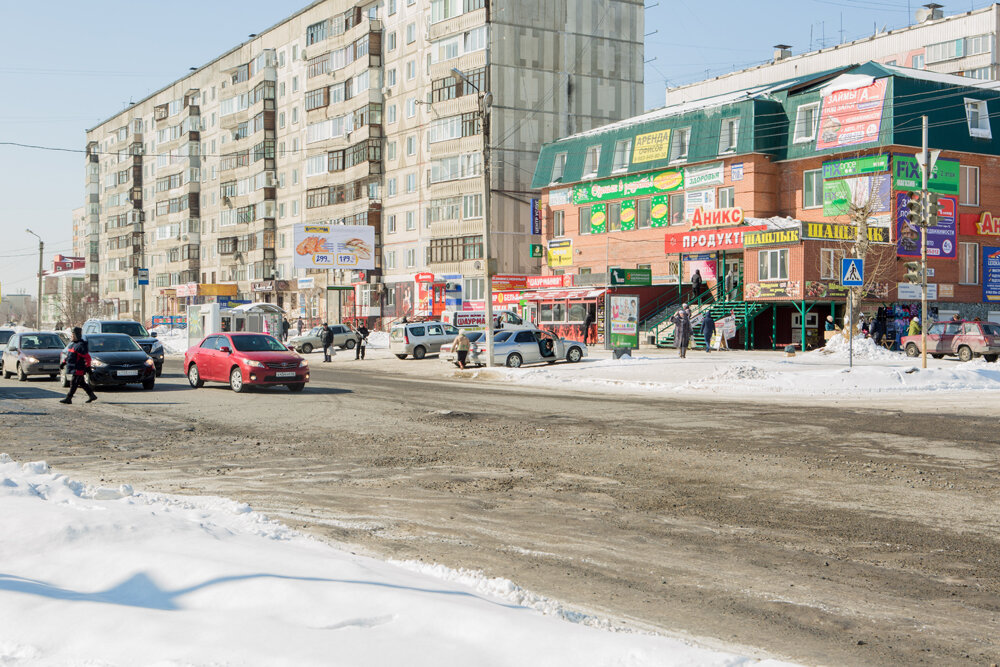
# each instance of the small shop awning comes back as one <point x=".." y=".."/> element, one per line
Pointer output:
<point x="562" y="294"/>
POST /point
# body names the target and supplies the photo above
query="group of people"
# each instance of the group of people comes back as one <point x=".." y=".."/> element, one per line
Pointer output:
<point x="360" y="341"/>
<point x="684" y="325"/>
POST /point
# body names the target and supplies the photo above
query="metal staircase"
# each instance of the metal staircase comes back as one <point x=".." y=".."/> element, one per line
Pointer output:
<point x="745" y="311"/>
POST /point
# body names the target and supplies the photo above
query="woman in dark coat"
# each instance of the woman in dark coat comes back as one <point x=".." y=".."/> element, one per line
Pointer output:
<point x="682" y="330"/>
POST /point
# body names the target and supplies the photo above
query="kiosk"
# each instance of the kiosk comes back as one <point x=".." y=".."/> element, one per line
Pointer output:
<point x="211" y="318"/>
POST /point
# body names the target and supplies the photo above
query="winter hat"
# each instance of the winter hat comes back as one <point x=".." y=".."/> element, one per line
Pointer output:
<point x="78" y="332"/>
<point x="916" y="319"/>
<point x="829" y="318"/>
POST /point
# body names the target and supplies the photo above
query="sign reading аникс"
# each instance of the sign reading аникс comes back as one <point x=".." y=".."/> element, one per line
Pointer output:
<point x="724" y="238"/>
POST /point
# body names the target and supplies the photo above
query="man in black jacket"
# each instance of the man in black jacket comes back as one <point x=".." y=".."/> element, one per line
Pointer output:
<point x="77" y="365"/>
<point x="361" y="336"/>
<point x="327" y="341"/>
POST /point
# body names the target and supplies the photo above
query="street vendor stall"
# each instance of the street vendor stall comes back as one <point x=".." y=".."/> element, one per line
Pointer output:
<point x="212" y="318"/>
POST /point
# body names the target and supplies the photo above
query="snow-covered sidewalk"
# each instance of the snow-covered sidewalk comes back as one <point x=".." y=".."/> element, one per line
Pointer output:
<point x="822" y="372"/>
<point x="99" y="576"/>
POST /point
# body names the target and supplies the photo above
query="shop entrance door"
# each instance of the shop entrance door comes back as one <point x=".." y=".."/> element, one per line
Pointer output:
<point x="531" y="312"/>
<point x="732" y="277"/>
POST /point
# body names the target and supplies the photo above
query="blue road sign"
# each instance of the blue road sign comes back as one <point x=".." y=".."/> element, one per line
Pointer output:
<point x="852" y="272"/>
<point x="143" y="276"/>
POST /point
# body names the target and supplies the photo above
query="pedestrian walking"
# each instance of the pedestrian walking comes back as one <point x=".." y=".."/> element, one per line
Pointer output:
<point x="361" y="338"/>
<point x="914" y="328"/>
<point x="707" y="329"/>
<point x="588" y="321"/>
<point x="876" y="330"/>
<point x="327" y="342"/>
<point x="299" y="327"/>
<point x="696" y="282"/>
<point x="285" y="326"/>
<point x="59" y="325"/>
<point x="77" y="365"/>
<point x="461" y="346"/>
<point x="682" y="330"/>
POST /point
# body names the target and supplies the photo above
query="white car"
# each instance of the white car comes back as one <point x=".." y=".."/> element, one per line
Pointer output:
<point x="5" y="334"/>
<point x="515" y="348"/>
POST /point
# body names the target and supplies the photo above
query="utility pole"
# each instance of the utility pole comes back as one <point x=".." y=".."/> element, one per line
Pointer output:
<point x="485" y="102"/>
<point x="38" y="303"/>
<point x="925" y="163"/>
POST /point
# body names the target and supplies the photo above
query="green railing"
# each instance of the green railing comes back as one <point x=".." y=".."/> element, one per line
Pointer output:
<point x="745" y="313"/>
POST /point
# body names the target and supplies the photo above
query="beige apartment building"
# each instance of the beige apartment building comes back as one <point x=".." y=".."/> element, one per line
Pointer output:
<point x="351" y="113"/>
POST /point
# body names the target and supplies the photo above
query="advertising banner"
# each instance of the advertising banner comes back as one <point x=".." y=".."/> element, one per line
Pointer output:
<point x="911" y="291"/>
<point x="720" y="217"/>
<point x="869" y="164"/>
<point x="651" y="146"/>
<point x="702" y="175"/>
<point x="704" y="262"/>
<point x="837" y="232"/>
<point x="660" y="211"/>
<point x="991" y="273"/>
<point x="851" y="117"/>
<point x="628" y="214"/>
<point x="636" y="185"/>
<point x="840" y="194"/>
<point x="536" y="282"/>
<point x="705" y="240"/>
<point x="536" y="216"/>
<point x="505" y="282"/>
<point x="698" y="199"/>
<point x="942" y="180"/>
<point x="778" y="289"/>
<point x="631" y="276"/>
<point x="982" y="224"/>
<point x="771" y="237"/>
<point x="823" y="289"/>
<point x="334" y="247"/>
<point x="736" y="171"/>
<point x="624" y="322"/>
<point x="941" y="238"/>
<point x="598" y="218"/>
<point x="560" y="253"/>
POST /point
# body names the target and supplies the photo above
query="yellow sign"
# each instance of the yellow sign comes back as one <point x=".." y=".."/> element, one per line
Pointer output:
<point x="560" y="253"/>
<point x="651" y="146"/>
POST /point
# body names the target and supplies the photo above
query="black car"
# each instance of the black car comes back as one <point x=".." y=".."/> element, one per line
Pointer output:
<point x="116" y="359"/>
<point x="146" y="340"/>
<point x="32" y="353"/>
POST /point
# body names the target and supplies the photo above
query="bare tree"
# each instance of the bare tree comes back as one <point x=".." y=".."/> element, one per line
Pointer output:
<point x="72" y="306"/>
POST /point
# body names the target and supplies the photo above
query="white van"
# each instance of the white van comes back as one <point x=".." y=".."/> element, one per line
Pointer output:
<point x="475" y="320"/>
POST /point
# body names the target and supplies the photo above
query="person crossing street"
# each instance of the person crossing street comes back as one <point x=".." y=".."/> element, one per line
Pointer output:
<point x="77" y="365"/>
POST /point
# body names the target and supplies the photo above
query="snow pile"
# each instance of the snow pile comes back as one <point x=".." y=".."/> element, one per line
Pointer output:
<point x="838" y="348"/>
<point x="207" y="581"/>
<point x="738" y="372"/>
<point x="175" y="341"/>
<point x="378" y="340"/>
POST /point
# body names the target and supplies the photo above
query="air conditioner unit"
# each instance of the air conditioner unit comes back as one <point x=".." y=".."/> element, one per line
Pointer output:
<point x="387" y="92"/>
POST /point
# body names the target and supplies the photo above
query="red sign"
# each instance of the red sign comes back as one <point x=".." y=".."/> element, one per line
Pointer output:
<point x="535" y="282"/>
<point x="720" y="217"/>
<point x="703" y="240"/>
<point x="509" y="282"/>
<point x="970" y="224"/>
<point x="851" y="116"/>
<point x="424" y="277"/>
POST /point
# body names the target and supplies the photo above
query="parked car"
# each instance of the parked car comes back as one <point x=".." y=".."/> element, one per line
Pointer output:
<point x="477" y="349"/>
<point x="529" y="347"/>
<point x="966" y="339"/>
<point x="420" y="338"/>
<point x="343" y="337"/>
<point x="115" y="359"/>
<point x="146" y="340"/>
<point x="243" y="359"/>
<point x="32" y="353"/>
<point x="5" y="335"/>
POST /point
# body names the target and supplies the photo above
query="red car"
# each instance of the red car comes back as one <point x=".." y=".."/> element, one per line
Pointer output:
<point x="243" y="359"/>
<point x="964" y="338"/>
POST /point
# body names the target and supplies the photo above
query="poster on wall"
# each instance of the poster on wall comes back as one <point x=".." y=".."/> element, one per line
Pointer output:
<point x="704" y="262"/>
<point x="334" y="247"/>
<point x="695" y="199"/>
<point x="702" y="175"/>
<point x="637" y="185"/>
<point x="941" y="238"/>
<point x="598" y="218"/>
<point x="991" y="273"/>
<point x="628" y="214"/>
<point x="624" y="325"/>
<point x="651" y="146"/>
<point x="944" y="178"/>
<point x="560" y="253"/>
<point x="851" y="117"/>
<point x="838" y="195"/>
<point x="660" y="211"/>
<point x="777" y="289"/>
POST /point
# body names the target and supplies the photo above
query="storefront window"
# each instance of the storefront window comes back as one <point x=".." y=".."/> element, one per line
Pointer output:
<point x="552" y="312"/>
<point x="615" y="216"/>
<point x="584" y="221"/>
<point x="773" y="264"/>
<point x="968" y="263"/>
<point x="577" y="312"/>
<point x="829" y="263"/>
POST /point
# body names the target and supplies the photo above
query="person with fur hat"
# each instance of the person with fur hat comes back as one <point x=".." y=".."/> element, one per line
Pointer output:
<point x="77" y="365"/>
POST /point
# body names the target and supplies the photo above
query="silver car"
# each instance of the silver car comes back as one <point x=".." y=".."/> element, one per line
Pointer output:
<point x="343" y="337"/>
<point x="420" y="338"/>
<point x="5" y="335"/>
<point x="514" y="348"/>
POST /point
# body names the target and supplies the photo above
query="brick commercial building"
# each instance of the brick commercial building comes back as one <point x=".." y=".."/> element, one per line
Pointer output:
<point x="758" y="191"/>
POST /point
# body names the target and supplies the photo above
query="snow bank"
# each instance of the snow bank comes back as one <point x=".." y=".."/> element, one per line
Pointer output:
<point x="838" y="348"/>
<point x="378" y="340"/>
<point x="175" y="341"/>
<point x="207" y="581"/>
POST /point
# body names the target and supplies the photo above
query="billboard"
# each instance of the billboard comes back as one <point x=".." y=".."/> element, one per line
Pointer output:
<point x="838" y="195"/>
<point x="334" y="247"/>
<point x="851" y="117"/>
<point x="991" y="273"/>
<point x="942" y="241"/>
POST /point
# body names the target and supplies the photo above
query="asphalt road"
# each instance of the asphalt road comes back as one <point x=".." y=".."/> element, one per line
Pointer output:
<point x="823" y="532"/>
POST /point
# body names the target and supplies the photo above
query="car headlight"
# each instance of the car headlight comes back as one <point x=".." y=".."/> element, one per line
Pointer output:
<point x="253" y="363"/>
<point x="149" y="362"/>
<point x="303" y="363"/>
<point x="97" y="363"/>
<point x="31" y="360"/>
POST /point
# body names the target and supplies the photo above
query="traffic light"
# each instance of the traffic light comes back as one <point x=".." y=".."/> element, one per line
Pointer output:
<point x="914" y="209"/>
<point x="913" y="273"/>
<point x="933" y="209"/>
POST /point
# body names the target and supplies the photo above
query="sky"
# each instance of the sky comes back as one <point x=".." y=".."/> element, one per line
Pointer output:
<point x="70" y="65"/>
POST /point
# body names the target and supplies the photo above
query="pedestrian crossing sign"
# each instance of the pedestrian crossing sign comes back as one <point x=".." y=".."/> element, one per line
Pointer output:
<point x="852" y="272"/>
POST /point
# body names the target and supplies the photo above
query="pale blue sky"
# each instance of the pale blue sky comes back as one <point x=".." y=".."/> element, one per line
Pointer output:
<point x="69" y="65"/>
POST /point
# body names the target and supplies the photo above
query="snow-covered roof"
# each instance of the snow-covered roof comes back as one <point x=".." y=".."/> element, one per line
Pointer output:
<point x="938" y="77"/>
<point x="259" y="306"/>
<point x="68" y="273"/>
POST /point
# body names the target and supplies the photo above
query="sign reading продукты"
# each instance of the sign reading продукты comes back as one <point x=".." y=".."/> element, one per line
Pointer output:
<point x="852" y="272"/>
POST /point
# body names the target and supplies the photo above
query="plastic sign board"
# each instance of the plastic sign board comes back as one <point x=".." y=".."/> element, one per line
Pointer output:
<point x="536" y="250"/>
<point x="334" y="247"/>
<point x="631" y="276"/>
<point x="143" y="276"/>
<point x="624" y="329"/>
<point x="852" y="272"/>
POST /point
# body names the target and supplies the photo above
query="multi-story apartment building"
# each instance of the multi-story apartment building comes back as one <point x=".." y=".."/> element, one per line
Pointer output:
<point x="352" y="113"/>
<point x="962" y="44"/>
<point x="79" y="231"/>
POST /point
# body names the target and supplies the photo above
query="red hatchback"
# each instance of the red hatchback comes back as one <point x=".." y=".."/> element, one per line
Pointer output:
<point x="243" y="359"/>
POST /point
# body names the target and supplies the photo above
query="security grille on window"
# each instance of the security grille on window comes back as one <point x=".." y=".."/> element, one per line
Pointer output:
<point x="623" y="150"/>
<point x="812" y="188"/>
<point x="805" y="122"/>
<point x="968" y="191"/>
<point x="729" y="135"/>
<point x="773" y="264"/>
<point x="592" y="161"/>
<point x="978" y="119"/>
<point x="968" y="263"/>
<point x="679" y="144"/>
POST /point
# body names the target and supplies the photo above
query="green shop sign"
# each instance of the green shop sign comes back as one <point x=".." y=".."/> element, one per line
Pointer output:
<point x="660" y="211"/>
<point x="636" y="185"/>
<point x="943" y="179"/>
<point x="639" y="277"/>
<point x="628" y="215"/>
<point x="598" y="218"/>
<point x="869" y="164"/>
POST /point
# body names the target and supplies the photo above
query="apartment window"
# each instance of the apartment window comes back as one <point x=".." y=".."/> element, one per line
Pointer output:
<point x="411" y="70"/>
<point x="725" y="197"/>
<point x="642" y="213"/>
<point x="980" y="73"/>
<point x="615" y="216"/>
<point x="472" y="206"/>
<point x="583" y="222"/>
<point x="411" y="221"/>
<point x="829" y="263"/>
<point x="917" y="62"/>
<point x="281" y="120"/>
<point x="730" y="134"/>
<point x="391" y="150"/>
<point x="411" y="183"/>
<point x="558" y="167"/>
<point x="812" y="188"/>
<point x="411" y="145"/>
<point x="968" y="263"/>
<point x="390" y="77"/>
<point x="679" y="144"/>
<point x="390" y="259"/>
<point x="390" y="114"/>
<point x="392" y="41"/>
<point x="411" y="32"/>
<point x="295" y="115"/>
<point x="773" y="264"/>
<point x="392" y="7"/>
<point x="968" y="186"/>
<point x="472" y="289"/>
<point x="391" y="187"/>
<point x="978" y="119"/>
<point x="295" y="84"/>
<point x="592" y="161"/>
<point x="411" y="107"/>
<point x="411" y="258"/>
<point x="805" y="122"/>
<point x="623" y="149"/>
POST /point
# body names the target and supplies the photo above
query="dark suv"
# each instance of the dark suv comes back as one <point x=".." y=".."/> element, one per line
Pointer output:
<point x="147" y="341"/>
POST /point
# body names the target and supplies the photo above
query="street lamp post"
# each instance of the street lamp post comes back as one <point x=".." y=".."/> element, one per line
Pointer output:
<point x="485" y="101"/>
<point x="38" y="303"/>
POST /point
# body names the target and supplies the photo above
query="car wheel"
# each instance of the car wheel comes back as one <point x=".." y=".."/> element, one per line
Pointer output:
<point x="514" y="360"/>
<point x="990" y="358"/>
<point x="419" y="352"/>
<point x="236" y="380"/>
<point x="349" y="345"/>
<point x="65" y="380"/>
<point x="401" y="356"/>
<point x="306" y="348"/>
<point x="965" y="353"/>
<point x="938" y="356"/>
<point x="912" y="350"/>
<point x="159" y="371"/>
<point x="194" y="377"/>
<point x="574" y="355"/>
<point x="297" y="387"/>
<point x="21" y="376"/>
<point x="149" y="384"/>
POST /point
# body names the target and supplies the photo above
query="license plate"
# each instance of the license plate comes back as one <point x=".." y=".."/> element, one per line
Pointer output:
<point x="127" y="372"/>
<point x="285" y="374"/>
